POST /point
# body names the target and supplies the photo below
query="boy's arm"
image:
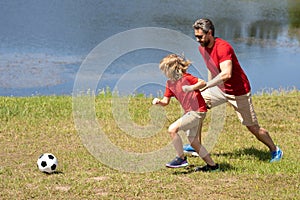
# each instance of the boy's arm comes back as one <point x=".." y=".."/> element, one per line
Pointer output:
<point x="163" y="102"/>
<point x="200" y="84"/>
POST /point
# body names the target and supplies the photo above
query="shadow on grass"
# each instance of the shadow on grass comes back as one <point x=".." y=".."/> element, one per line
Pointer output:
<point x="252" y="152"/>
<point x="261" y="155"/>
<point x="55" y="172"/>
<point x="191" y="169"/>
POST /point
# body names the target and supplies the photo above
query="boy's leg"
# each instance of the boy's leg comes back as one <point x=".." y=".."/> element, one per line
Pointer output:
<point x="193" y="136"/>
<point x="213" y="97"/>
<point x="180" y="160"/>
<point x="202" y="152"/>
<point x="176" y="139"/>
<point x="188" y="121"/>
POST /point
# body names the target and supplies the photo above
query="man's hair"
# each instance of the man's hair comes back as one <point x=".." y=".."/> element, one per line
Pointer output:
<point x="173" y="66"/>
<point x="205" y="25"/>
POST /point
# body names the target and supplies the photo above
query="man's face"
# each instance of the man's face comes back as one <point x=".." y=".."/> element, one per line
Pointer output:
<point x="202" y="38"/>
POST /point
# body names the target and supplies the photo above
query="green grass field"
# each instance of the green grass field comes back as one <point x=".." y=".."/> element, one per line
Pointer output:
<point x="34" y="125"/>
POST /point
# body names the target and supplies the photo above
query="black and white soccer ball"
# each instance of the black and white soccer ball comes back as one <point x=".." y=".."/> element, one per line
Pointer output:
<point x="47" y="163"/>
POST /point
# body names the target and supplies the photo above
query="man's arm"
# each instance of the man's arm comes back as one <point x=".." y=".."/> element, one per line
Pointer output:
<point x="209" y="75"/>
<point x="200" y="84"/>
<point x="223" y="76"/>
<point x="226" y="70"/>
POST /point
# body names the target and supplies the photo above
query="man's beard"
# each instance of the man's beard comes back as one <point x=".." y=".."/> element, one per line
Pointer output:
<point x="205" y="43"/>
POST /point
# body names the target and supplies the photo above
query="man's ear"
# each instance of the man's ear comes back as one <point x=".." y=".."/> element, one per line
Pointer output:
<point x="209" y="32"/>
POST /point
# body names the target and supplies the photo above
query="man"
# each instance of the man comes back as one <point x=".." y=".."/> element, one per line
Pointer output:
<point x="229" y="83"/>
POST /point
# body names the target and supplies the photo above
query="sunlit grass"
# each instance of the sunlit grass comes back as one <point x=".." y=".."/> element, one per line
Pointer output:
<point x="34" y="125"/>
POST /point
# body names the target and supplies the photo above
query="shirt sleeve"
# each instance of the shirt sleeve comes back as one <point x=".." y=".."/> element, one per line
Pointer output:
<point x="168" y="92"/>
<point x="225" y="53"/>
<point x="191" y="79"/>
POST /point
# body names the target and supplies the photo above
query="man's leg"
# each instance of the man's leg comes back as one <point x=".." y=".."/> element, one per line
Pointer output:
<point x="246" y="114"/>
<point x="213" y="97"/>
<point x="262" y="135"/>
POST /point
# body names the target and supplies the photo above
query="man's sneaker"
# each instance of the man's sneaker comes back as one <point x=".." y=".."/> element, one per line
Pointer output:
<point x="189" y="150"/>
<point x="195" y="154"/>
<point x="208" y="168"/>
<point x="276" y="155"/>
<point x="177" y="162"/>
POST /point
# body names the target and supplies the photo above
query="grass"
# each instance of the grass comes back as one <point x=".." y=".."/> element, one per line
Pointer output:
<point x="34" y="125"/>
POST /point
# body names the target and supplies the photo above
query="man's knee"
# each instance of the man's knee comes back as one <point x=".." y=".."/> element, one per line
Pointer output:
<point x="254" y="129"/>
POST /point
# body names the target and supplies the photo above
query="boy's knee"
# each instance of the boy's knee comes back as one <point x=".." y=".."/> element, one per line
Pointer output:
<point x="172" y="129"/>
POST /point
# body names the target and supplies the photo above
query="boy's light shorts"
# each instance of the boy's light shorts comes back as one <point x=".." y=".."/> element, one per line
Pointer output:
<point x="242" y="104"/>
<point x="191" y="122"/>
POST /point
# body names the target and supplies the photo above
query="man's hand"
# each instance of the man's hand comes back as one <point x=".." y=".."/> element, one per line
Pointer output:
<point x="202" y="89"/>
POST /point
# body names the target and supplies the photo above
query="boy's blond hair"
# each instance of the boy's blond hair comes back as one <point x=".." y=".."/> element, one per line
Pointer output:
<point x="173" y="66"/>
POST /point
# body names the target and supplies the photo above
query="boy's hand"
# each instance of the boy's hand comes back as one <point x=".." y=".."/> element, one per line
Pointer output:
<point x="155" y="101"/>
<point x="187" y="88"/>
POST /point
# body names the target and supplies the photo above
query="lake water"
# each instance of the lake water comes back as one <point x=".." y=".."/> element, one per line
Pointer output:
<point x="43" y="43"/>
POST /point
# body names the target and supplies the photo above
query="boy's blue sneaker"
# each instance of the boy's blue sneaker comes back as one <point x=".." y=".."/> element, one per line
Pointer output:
<point x="177" y="162"/>
<point x="188" y="148"/>
<point x="276" y="155"/>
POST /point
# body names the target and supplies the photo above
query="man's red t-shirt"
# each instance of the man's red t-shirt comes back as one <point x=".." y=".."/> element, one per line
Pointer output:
<point x="238" y="84"/>
<point x="190" y="101"/>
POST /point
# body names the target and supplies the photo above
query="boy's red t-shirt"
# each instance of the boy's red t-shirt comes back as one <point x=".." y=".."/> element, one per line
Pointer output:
<point x="190" y="101"/>
<point x="238" y="84"/>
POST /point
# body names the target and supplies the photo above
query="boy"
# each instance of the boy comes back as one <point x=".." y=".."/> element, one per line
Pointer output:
<point x="185" y="88"/>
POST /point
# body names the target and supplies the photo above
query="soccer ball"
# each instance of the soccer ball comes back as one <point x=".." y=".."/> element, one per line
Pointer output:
<point x="47" y="163"/>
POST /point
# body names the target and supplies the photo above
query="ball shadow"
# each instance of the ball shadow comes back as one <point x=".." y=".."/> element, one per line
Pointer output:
<point x="56" y="172"/>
